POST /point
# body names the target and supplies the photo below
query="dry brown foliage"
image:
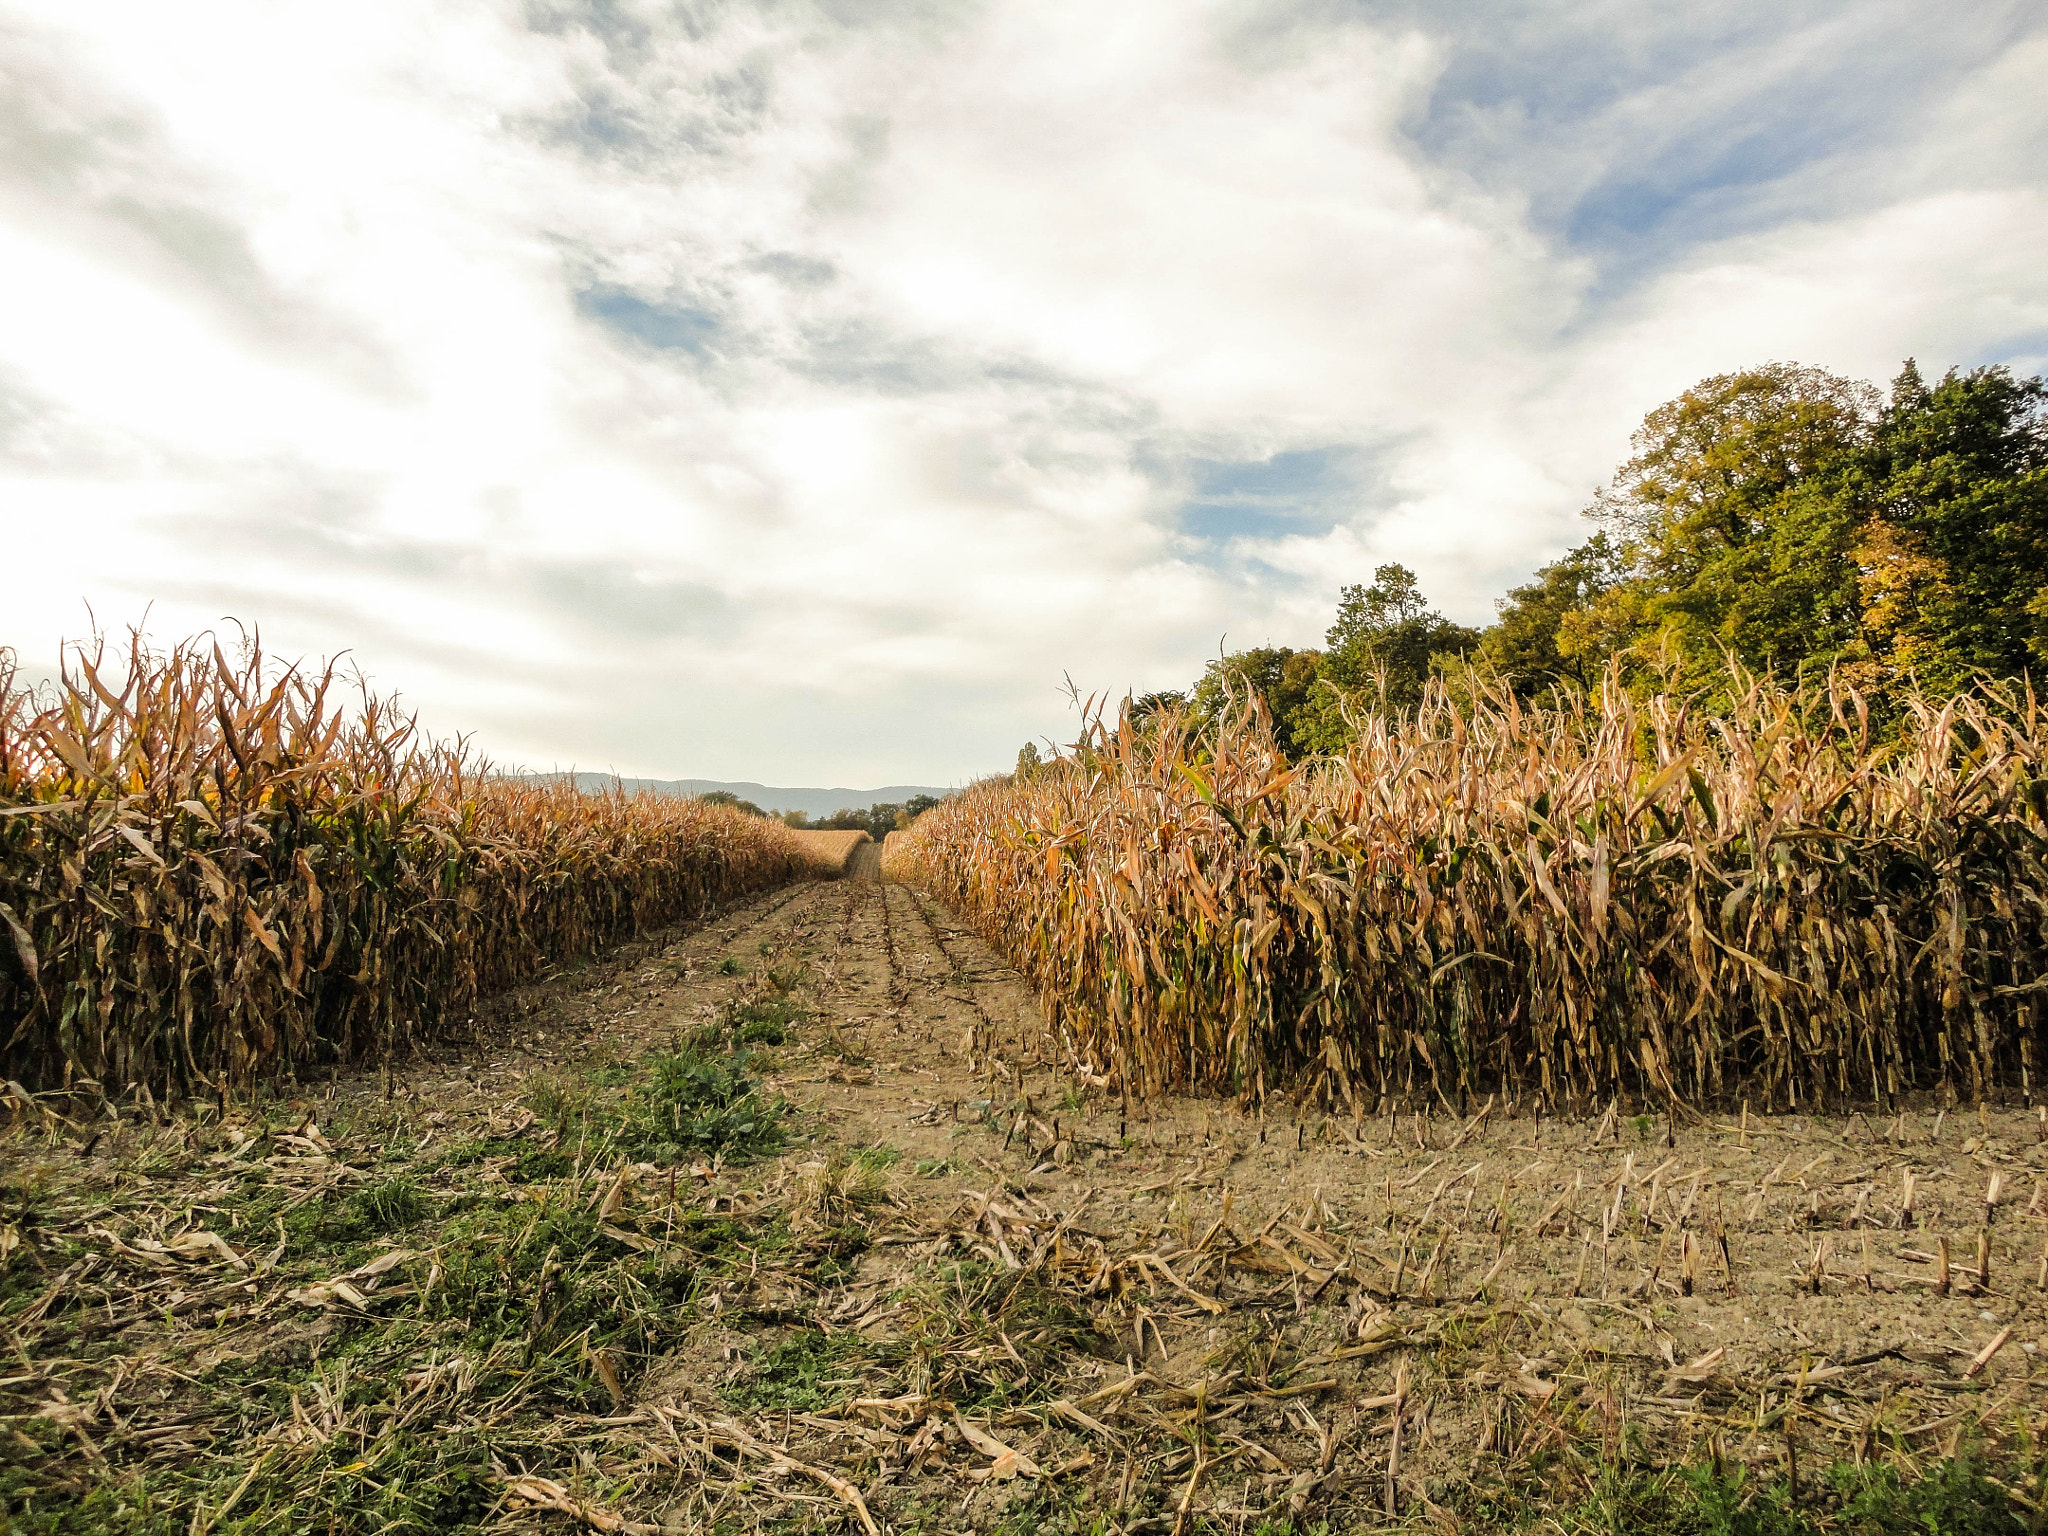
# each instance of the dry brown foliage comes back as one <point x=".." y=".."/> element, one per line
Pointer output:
<point x="832" y="852"/>
<point x="214" y="870"/>
<point x="1621" y="896"/>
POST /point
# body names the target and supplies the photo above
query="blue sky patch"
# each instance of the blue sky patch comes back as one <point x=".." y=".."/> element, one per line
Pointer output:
<point x="664" y="327"/>
<point x="1636" y="135"/>
<point x="1303" y="491"/>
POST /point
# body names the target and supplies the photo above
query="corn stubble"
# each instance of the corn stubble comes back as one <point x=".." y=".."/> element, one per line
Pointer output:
<point x="214" y="872"/>
<point x="1617" y="897"/>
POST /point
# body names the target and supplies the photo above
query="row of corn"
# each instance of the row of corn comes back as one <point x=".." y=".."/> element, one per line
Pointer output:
<point x="214" y="872"/>
<point x="1622" y="896"/>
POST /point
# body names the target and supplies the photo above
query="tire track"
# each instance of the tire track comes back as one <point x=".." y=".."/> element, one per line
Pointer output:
<point x="899" y="992"/>
<point x="982" y="1033"/>
<point x="754" y="920"/>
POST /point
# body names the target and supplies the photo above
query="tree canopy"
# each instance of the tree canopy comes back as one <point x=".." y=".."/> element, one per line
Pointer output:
<point x="727" y="797"/>
<point x="877" y="820"/>
<point x="1783" y="517"/>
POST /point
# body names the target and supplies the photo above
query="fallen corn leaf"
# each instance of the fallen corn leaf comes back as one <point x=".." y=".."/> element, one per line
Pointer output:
<point x="1006" y="1462"/>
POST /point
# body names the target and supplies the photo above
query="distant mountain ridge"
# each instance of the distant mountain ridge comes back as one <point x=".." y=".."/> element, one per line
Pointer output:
<point x="770" y="797"/>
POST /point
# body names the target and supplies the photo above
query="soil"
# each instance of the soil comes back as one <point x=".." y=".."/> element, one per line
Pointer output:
<point x="1241" y="1316"/>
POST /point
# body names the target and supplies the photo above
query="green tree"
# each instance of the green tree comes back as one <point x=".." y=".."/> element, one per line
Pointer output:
<point x="911" y="809"/>
<point x="727" y="797"/>
<point x="1379" y="654"/>
<point x="1953" y="568"/>
<point x="1542" y="638"/>
<point x="1028" y="763"/>
<point x="1146" y="705"/>
<point x="877" y="820"/>
<point x="1738" y="517"/>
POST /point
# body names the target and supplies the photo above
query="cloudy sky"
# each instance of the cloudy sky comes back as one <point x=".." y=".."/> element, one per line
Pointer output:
<point x="798" y="391"/>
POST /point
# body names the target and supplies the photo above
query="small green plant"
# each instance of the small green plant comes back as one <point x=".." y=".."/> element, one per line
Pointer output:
<point x="760" y="1022"/>
<point x="557" y="1099"/>
<point x="391" y="1206"/>
<point x="804" y="1373"/>
<point x="728" y="966"/>
<point x="1644" y="1124"/>
<point x="834" y="1044"/>
<point x="697" y="1101"/>
<point x="536" y="1165"/>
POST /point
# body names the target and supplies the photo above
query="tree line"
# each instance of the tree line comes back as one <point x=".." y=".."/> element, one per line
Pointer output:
<point x="877" y="820"/>
<point x="1783" y="518"/>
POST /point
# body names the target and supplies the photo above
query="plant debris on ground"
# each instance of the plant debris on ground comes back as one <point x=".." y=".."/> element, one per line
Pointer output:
<point x="841" y="1239"/>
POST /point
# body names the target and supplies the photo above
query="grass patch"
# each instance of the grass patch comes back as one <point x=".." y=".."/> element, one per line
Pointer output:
<point x="835" y="1045"/>
<point x="695" y="1101"/>
<point x="391" y="1206"/>
<point x="958" y="1317"/>
<point x="835" y="1195"/>
<point x="762" y="1021"/>
<point x="804" y="1373"/>
<point x="1952" y="1498"/>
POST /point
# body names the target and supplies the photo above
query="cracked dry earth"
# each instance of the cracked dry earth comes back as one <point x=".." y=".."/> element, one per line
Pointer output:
<point x="976" y="1291"/>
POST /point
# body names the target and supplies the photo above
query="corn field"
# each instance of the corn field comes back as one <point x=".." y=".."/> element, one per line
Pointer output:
<point x="214" y="872"/>
<point x="831" y="852"/>
<point x="1621" y="897"/>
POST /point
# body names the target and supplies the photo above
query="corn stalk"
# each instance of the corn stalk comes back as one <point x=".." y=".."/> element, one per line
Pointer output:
<point x="213" y="872"/>
<point x="1622" y="896"/>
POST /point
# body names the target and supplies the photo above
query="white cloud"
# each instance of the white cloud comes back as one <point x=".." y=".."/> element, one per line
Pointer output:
<point x="767" y="395"/>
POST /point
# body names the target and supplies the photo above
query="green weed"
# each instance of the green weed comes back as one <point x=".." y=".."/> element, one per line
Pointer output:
<point x="697" y="1100"/>
<point x="391" y="1206"/>
<point x="805" y="1373"/>
<point x="1953" y="1498"/>
<point x="832" y="1043"/>
<point x="760" y="1022"/>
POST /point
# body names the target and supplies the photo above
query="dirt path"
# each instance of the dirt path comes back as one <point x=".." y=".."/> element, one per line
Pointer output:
<point x="972" y="1292"/>
<point x="1615" y="1275"/>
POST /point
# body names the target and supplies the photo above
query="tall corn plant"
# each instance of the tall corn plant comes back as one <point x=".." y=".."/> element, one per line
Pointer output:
<point x="1614" y="896"/>
<point x="213" y="871"/>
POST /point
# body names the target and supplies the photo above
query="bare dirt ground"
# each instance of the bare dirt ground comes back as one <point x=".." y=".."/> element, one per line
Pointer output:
<point x="973" y="1291"/>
